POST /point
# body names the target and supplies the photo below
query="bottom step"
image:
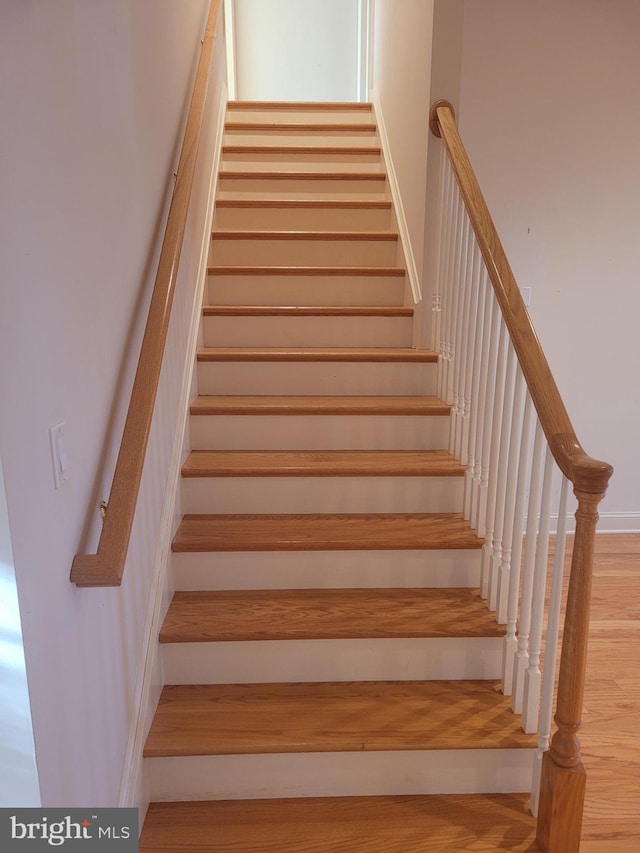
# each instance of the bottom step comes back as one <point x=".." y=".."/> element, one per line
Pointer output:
<point x="414" y="824"/>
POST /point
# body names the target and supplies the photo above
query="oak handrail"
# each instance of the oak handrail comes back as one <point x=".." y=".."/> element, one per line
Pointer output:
<point x="106" y="566"/>
<point x="563" y="778"/>
<point x="590" y="475"/>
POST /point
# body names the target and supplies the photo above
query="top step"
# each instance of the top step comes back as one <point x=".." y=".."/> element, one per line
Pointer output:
<point x="300" y="106"/>
<point x="271" y="112"/>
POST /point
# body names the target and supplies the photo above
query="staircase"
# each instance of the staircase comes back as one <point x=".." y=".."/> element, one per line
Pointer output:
<point x="331" y="670"/>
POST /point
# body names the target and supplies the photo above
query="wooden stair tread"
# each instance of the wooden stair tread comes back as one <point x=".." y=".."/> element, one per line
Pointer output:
<point x="299" y="405"/>
<point x="323" y="614"/>
<point x="300" y="106"/>
<point x="323" y="463"/>
<point x="364" y="236"/>
<point x="351" y="150"/>
<point x="232" y="719"/>
<point x="227" y="269"/>
<point x="453" y="823"/>
<point x="301" y="203"/>
<point x="287" y="175"/>
<point x="320" y="127"/>
<point x="325" y="532"/>
<point x="307" y="311"/>
<point x="359" y="354"/>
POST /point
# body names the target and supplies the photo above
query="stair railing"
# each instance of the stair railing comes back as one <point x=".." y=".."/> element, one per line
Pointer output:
<point x="106" y="566"/>
<point x="510" y="428"/>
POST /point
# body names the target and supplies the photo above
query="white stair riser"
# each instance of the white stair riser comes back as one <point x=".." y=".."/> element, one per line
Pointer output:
<point x="318" y="378"/>
<point x="321" y="494"/>
<point x="241" y="331"/>
<point x="305" y="158"/>
<point x="229" y="187"/>
<point x="305" y="290"/>
<point x="318" y="114"/>
<point x="303" y="218"/>
<point x="326" y="569"/>
<point x="319" y="432"/>
<point x="332" y="660"/>
<point x="228" y="777"/>
<point x="293" y="136"/>
<point x="306" y="253"/>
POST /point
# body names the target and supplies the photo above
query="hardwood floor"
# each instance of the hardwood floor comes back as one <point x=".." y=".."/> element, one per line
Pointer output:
<point x="610" y="741"/>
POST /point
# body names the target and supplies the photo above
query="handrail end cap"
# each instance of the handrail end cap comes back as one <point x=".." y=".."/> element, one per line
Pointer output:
<point x="433" y="115"/>
<point x="88" y="570"/>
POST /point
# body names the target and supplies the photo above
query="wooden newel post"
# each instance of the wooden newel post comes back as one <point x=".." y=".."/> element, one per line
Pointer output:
<point x="562" y="785"/>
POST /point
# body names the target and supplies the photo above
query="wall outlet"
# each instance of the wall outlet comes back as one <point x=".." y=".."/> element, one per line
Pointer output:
<point x="526" y="295"/>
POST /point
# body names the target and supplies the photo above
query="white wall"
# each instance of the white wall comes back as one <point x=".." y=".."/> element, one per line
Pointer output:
<point x="93" y="101"/>
<point x="19" y="777"/>
<point x="446" y="68"/>
<point x="550" y="114"/>
<point x="297" y="50"/>
<point x="401" y="89"/>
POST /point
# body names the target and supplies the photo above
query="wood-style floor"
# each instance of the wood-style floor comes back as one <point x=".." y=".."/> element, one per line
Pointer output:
<point x="611" y="754"/>
<point x="611" y="720"/>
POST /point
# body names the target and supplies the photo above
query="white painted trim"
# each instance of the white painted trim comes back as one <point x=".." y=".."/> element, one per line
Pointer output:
<point x="130" y="781"/>
<point x="322" y="494"/>
<point x="609" y="522"/>
<point x="393" y="659"/>
<point x="336" y="569"/>
<point x="365" y="47"/>
<point x="339" y="774"/>
<point x="619" y="522"/>
<point x="230" y="44"/>
<point x="403" y="228"/>
<point x="371" y="36"/>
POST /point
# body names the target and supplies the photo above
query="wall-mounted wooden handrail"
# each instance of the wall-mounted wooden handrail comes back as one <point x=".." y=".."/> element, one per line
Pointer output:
<point x="563" y="779"/>
<point x="106" y="566"/>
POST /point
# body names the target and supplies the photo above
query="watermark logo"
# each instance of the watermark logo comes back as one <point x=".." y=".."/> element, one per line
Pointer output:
<point x="101" y="830"/>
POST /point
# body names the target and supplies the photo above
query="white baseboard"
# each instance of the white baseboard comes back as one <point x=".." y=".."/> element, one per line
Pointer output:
<point x="412" y="270"/>
<point x="619" y="522"/>
<point x="133" y="789"/>
<point x="609" y="522"/>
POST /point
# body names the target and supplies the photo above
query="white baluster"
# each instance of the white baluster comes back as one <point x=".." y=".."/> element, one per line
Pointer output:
<point x="481" y="366"/>
<point x="501" y="478"/>
<point x="450" y="290"/>
<point x="521" y="661"/>
<point x="533" y="675"/>
<point x="493" y="430"/>
<point x="508" y="509"/>
<point x="472" y="332"/>
<point x="464" y="335"/>
<point x="454" y="290"/>
<point x="551" y="647"/>
<point x="461" y="287"/>
<point x="487" y="413"/>
<point x="448" y="229"/>
<point x="510" y="645"/>
<point x="440" y="242"/>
